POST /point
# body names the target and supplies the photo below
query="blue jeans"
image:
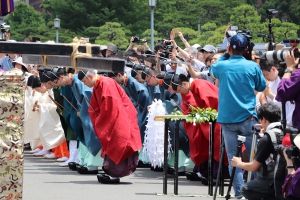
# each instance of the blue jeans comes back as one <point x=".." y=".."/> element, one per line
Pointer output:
<point x="230" y="134"/>
<point x="259" y="188"/>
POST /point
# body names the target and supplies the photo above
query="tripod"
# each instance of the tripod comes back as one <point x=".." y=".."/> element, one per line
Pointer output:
<point x="220" y="169"/>
<point x="241" y="140"/>
<point x="271" y="39"/>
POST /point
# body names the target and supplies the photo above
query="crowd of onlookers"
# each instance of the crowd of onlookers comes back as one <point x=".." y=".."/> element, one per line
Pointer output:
<point x="245" y="93"/>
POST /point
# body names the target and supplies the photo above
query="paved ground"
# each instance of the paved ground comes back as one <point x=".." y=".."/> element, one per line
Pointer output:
<point x="44" y="180"/>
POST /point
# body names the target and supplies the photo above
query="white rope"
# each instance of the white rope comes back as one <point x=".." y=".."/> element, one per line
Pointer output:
<point x="154" y="136"/>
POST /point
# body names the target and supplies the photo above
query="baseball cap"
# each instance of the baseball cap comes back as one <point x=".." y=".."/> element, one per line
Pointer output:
<point x="197" y="46"/>
<point x="238" y="42"/>
<point x="209" y="48"/>
<point x="112" y="48"/>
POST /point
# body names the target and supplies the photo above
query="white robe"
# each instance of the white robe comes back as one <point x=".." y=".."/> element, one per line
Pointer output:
<point x="51" y="131"/>
<point x="288" y="106"/>
<point x="31" y="119"/>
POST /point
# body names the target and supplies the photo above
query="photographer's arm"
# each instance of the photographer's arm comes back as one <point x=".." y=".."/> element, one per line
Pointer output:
<point x="289" y="86"/>
<point x="158" y="62"/>
<point x="251" y="166"/>
<point x="193" y="73"/>
<point x="268" y="92"/>
<point x="289" y="162"/>
<point x="130" y="44"/>
<point x="146" y="44"/>
<point x="186" y="44"/>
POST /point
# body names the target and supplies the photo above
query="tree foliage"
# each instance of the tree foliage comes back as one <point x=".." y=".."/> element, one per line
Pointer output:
<point x="117" y="21"/>
<point x="112" y="32"/>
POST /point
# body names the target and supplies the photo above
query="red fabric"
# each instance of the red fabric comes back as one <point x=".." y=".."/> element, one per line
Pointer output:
<point x="116" y="124"/>
<point x="202" y="94"/>
<point x="61" y="150"/>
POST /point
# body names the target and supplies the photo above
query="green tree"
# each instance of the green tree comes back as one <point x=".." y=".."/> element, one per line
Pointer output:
<point x="112" y="32"/>
<point x="24" y="21"/>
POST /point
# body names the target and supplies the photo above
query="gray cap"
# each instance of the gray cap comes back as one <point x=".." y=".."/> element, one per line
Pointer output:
<point x="112" y="48"/>
<point x="209" y="48"/>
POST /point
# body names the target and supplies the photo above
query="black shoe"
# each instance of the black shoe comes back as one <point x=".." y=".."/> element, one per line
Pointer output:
<point x="172" y="171"/>
<point x="72" y="166"/>
<point x="157" y="169"/>
<point x="85" y="170"/>
<point x="192" y="176"/>
<point x="27" y="146"/>
<point x="105" y="179"/>
<point x="205" y="181"/>
<point x="143" y="165"/>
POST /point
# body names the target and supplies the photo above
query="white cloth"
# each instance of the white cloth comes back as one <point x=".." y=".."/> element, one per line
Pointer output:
<point x="153" y="146"/>
<point x="288" y="106"/>
<point x="52" y="133"/>
<point x="31" y="119"/>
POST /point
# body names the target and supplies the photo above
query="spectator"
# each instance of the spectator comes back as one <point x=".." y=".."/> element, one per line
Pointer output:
<point x="207" y="50"/>
<point x="237" y="99"/>
<point x="259" y="188"/>
<point x="289" y="86"/>
<point x="6" y="62"/>
<point x="204" y="73"/>
<point x="272" y="76"/>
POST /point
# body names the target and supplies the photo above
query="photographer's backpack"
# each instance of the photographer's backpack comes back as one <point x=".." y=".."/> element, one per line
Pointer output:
<point x="276" y="135"/>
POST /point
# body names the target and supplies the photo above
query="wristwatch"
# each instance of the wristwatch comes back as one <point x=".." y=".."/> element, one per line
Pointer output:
<point x="290" y="167"/>
<point x="287" y="71"/>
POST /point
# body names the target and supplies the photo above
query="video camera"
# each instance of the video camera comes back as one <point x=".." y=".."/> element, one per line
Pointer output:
<point x="248" y="35"/>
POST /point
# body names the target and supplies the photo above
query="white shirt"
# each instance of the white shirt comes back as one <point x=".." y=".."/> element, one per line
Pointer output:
<point x="288" y="106"/>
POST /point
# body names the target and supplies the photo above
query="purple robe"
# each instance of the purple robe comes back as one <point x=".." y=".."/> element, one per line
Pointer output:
<point x="6" y="6"/>
<point x="288" y="90"/>
<point x="294" y="184"/>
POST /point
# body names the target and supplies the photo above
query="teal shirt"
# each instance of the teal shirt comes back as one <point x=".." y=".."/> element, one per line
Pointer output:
<point x="238" y="78"/>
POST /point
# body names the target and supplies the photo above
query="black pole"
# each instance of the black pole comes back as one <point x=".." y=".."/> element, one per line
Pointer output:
<point x="283" y="121"/>
<point x="219" y="176"/>
<point x="221" y="192"/>
<point x="238" y="150"/>
<point x="210" y="158"/>
<point x="176" y="157"/>
<point x="270" y="35"/>
<point x="165" y="174"/>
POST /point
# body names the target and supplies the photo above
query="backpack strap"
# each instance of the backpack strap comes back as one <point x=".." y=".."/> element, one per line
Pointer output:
<point x="272" y="136"/>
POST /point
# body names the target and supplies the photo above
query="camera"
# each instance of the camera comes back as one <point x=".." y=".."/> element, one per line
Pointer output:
<point x="3" y="27"/>
<point x="164" y="54"/>
<point x="271" y="11"/>
<point x="136" y="39"/>
<point x="170" y="48"/>
<point x="279" y="55"/>
<point x="257" y="129"/>
<point x="241" y="138"/>
<point x="292" y="151"/>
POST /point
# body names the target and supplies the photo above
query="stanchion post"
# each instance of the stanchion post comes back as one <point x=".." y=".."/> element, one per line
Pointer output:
<point x="176" y="157"/>
<point x="165" y="173"/>
<point x="211" y="158"/>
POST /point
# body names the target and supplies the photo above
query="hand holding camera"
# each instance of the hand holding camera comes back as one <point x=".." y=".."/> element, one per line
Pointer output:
<point x="291" y="61"/>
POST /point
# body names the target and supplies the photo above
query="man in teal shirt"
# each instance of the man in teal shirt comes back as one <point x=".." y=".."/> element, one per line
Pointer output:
<point x="238" y="80"/>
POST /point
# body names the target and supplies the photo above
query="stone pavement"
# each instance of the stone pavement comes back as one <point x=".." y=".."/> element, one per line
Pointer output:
<point x="44" y="180"/>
